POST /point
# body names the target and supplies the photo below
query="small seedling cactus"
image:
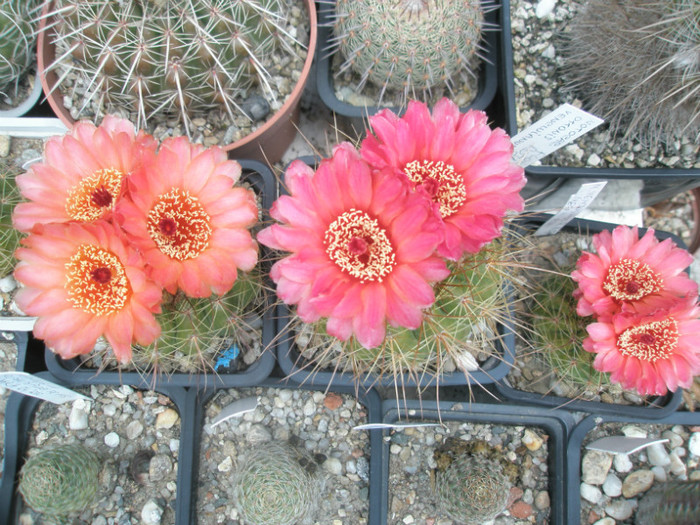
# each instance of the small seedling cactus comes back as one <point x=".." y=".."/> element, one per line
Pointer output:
<point x="276" y="484"/>
<point x="61" y="480"/>
<point x="408" y="46"/>
<point x="173" y="57"/>
<point x="9" y="236"/>
<point x="671" y="503"/>
<point x="18" y="21"/>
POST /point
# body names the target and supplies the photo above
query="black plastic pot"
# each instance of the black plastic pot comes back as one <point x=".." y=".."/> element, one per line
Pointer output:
<point x="70" y="371"/>
<point x="658" y="407"/>
<point x="578" y="434"/>
<point x="18" y="420"/>
<point x="556" y="425"/>
<point x="659" y="184"/>
<point x="488" y="72"/>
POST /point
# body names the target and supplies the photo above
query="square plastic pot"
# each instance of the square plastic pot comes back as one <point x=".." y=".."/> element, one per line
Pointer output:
<point x="555" y="425"/>
<point x="658" y="406"/>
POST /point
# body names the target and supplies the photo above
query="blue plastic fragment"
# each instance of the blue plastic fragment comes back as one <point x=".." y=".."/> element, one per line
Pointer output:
<point x="227" y="357"/>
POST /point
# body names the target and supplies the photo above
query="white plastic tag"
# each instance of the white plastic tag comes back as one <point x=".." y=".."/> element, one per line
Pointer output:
<point x="17" y="324"/>
<point x="235" y="409"/>
<point x="561" y="126"/>
<point x="578" y="202"/>
<point x="30" y="385"/>
<point x="623" y="444"/>
<point x="373" y="426"/>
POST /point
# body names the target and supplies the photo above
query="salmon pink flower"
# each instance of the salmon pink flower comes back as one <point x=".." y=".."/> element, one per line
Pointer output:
<point x="649" y="353"/>
<point x="362" y="248"/>
<point x="183" y="213"/>
<point x="457" y="161"/>
<point x="83" y="281"/>
<point x="81" y="175"/>
<point x="631" y="274"/>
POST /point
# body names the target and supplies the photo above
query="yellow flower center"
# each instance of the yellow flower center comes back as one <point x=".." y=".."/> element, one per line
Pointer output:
<point x="631" y="280"/>
<point x="96" y="281"/>
<point x="93" y="196"/>
<point x="179" y="225"/>
<point x="651" y="341"/>
<point x="444" y="185"/>
<point x="359" y="246"/>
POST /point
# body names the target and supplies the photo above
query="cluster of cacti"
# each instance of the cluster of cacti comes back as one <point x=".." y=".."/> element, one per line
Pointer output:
<point x="194" y="330"/>
<point x="173" y="57"/>
<point x="471" y="489"/>
<point x="18" y="22"/>
<point x="670" y="503"/>
<point x="408" y="46"/>
<point x="276" y="484"/>
<point x="558" y="332"/>
<point x="61" y="480"/>
<point x="637" y="64"/>
<point x="9" y="236"/>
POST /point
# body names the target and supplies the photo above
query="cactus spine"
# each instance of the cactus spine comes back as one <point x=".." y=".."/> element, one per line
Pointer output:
<point x="671" y="503"/>
<point x="61" y="480"/>
<point x="17" y="41"/>
<point x="9" y="236"/>
<point x="408" y="46"/>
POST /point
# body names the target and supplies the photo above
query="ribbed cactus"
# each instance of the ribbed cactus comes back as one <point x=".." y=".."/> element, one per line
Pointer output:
<point x="408" y="46"/>
<point x="471" y="489"/>
<point x="559" y="331"/>
<point x="9" y="236"/>
<point x="18" y="23"/>
<point x="61" y="480"/>
<point x="637" y="64"/>
<point x="172" y="57"/>
<point x="671" y="503"/>
<point x="276" y="484"/>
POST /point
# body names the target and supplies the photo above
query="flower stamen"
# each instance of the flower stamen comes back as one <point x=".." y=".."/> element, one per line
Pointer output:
<point x="440" y="181"/>
<point x="179" y="225"/>
<point x="94" y="195"/>
<point x="631" y="280"/>
<point x="650" y="341"/>
<point x="359" y="246"/>
<point x="96" y="281"/>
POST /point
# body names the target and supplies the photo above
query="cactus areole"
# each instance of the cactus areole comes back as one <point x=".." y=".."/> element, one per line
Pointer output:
<point x="182" y="62"/>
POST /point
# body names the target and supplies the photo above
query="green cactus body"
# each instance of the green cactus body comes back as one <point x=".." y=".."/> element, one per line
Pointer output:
<point x="9" y="236"/>
<point x="408" y="46"/>
<point x="173" y="57"/>
<point x="18" y="23"/>
<point x="62" y="480"/>
<point x="276" y="485"/>
<point x="471" y="489"/>
<point x="671" y="503"/>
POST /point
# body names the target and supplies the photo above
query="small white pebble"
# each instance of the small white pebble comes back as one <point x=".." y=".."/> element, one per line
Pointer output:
<point x="112" y="440"/>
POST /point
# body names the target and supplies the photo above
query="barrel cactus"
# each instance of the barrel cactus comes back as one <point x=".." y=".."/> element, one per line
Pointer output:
<point x="18" y="23"/>
<point x="276" y="484"/>
<point x="409" y="46"/>
<point x="9" y="236"/>
<point x="671" y="503"/>
<point x="61" y="480"/>
<point x="179" y="58"/>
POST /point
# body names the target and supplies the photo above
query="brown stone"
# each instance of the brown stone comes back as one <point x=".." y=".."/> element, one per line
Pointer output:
<point x="333" y="401"/>
<point x="520" y="510"/>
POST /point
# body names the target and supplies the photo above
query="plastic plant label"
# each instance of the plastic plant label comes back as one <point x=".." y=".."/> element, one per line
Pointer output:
<point x="17" y="324"/>
<point x="399" y="426"/>
<point x="622" y="444"/>
<point x="561" y="126"/>
<point x="235" y="409"/>
<point x="578" y="202"/>
<point x="30" y="385"/>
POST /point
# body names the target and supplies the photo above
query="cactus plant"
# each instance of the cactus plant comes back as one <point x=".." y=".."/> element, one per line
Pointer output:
<point x="411" y="47"/>
<point x="276" y="484"/>
<point x="61" y="480"/>
<point x="471" y="489"/>
<point x="671" y="503"/>
<point x="18" y="21"/>
<point x="9" y="236"/>
<point x="636" y="63"/>
<point x="175" y="58"/>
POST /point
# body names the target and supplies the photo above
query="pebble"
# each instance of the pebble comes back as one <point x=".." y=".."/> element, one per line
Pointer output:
<point x="544" y="8"/>
<point x="226" y="465"/>
<point x="595" y="467"/>
<point x="637" y="482"/>
<point x="134" y="430"/>
<point x="333" y="401"/>
<point x="112" y="440"/>
<point x="612" y="486"/>
<point x="258" y="434"/>
<point x="622" y="463"/>
<point x="78" y="418"/>
<point x="605" y="521"/>
<point x="694" y="444"/>
<point x="531" y="440"/>
<point x="591" y="493"/>
<point x="634" y="431"/>
<point x="4" y="145"/>
<point x="151" y="514"/>
<point x="542" y="500"/>
<point x="159" y="467"/>
<point x="520" y="510"/>
<point x="167" y="418"/>
<point x="658" y="455"/>
<point x="334" y="466"/>
<point x="620" y="509"/>
<point x="7" y="283"/>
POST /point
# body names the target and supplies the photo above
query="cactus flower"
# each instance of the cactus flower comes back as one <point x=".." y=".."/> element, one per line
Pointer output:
<point x="362" y="248"/>
<point x="458" y="162"/>
<point x="183" y="213"/>
<point x="631" y="274"/>
<point x="84" y="281"/>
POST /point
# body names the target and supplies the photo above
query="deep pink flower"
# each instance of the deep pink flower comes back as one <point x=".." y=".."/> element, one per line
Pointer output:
<point x="83" y="281"/>
<point x="457" y="161"/>
<point x="631" y="274"/>
<point x="649" y="353"/>
<point x="81" y="176"/>
<point x="362" y="248"/>
<point x="188" y="220"/>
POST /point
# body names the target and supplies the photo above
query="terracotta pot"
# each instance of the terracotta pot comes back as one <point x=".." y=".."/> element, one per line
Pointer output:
<point x="266" y="144"/>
